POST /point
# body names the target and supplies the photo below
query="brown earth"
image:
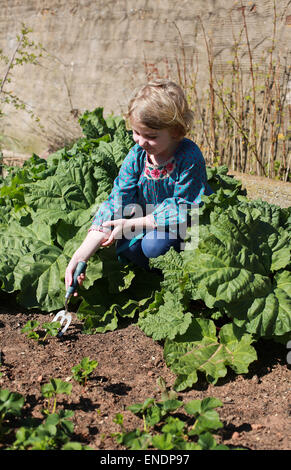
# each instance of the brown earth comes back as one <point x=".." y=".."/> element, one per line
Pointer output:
<point x="256" y="411"/>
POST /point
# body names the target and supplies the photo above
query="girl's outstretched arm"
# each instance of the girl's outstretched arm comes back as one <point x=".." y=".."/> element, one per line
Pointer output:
<point x="89" y="246"/>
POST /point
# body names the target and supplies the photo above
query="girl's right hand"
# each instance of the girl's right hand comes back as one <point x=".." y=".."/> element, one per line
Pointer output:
<point x="93" y="240"/>
<point x="69" y="275"/>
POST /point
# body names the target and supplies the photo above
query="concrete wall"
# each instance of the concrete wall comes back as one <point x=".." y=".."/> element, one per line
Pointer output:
<point x="97" y="51"/>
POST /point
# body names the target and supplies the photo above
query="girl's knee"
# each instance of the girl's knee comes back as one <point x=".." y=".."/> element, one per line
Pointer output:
<point x="150" y="248"/>
<point x="158" y="243"/>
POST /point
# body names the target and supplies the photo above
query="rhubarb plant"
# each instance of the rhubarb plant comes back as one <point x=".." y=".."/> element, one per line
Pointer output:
<point x="207" y="305"/>
<point x="240" y="274"/>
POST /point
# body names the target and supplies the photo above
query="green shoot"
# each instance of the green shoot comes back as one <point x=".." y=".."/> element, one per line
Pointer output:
<point x="52" y="389"/>
<point x="163" y="430"/>
<point x="51" y="328"/>
<point x="82" y="371"/>
<point x="30" y="328"/>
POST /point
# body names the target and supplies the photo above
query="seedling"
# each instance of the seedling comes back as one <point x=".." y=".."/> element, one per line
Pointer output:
<point x="30" y="328"/>
<point x="52" y="389"/>
<point x="152" y="412"/>
<point x="54" y="432"/>
<point x="82" y="371"/>
<point x="165" y="431"/>
<point x="51" y="329"/>
<point x="207" y="418"/>
<point x="119" y="420"/>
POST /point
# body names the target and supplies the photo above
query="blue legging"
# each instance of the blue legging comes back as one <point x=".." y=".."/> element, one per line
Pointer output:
<point x="152" y="245"/>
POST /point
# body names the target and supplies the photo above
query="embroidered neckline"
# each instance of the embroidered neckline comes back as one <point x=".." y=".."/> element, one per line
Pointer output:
<point x="159" y="172"/>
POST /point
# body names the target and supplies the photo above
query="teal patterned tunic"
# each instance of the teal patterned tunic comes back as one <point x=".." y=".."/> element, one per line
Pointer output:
<point x="162" y="190"/>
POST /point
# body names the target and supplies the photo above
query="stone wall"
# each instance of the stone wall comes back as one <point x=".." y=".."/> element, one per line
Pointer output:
<point x="97" y="51"/>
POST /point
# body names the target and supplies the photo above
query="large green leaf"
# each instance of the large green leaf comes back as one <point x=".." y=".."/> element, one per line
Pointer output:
<point x="219" y="179"/>
<point x="233" y="269"/>
<point x="93" y="123"/>
<point x="39" y="276"/>
<point x="97" y="318"/>
<point x="172" y="264"/>
<point x="268" y="315"/>
<point x="110" y="299"/>
<point x="34" y="266"/>
<point x="16" y="242"/>
<point x="201" y="350"/>
<point x="119" y="277"/>
<point x="273" y="231"/>
<point x="72" y="187"/>
<point x="168" y="321"/>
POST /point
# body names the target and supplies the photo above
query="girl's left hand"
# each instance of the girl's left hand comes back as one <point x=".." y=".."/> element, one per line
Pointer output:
<point x="117" y="227"/>
<point x="123" y="227"/>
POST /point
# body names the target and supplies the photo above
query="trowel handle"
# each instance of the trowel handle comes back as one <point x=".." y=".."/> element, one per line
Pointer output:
<point x="81" y="268"/>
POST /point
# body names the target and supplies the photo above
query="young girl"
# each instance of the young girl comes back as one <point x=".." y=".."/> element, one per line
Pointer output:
<point x="162" y="176"/>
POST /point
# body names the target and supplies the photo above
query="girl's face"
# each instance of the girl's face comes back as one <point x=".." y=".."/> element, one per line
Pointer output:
<point x="159" y="143"/>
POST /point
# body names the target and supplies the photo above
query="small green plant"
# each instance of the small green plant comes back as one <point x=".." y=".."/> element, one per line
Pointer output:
<point x="53" y="433"/>
<point x="50" y="434"/>
<point x="51" y="328"/>
<point x="29" y="328"/>
<point x="165" y="431"/>
<point x="82" y="371"/>
<point x="119" y="420"/>
<point x="165" y="393"/>
<point x="52" y="389"/>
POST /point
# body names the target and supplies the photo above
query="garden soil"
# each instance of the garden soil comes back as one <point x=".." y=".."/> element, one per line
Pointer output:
<point x="256" y="411"/>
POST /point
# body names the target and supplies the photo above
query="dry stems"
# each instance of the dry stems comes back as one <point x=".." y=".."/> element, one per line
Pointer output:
<point x="242" y="119"/>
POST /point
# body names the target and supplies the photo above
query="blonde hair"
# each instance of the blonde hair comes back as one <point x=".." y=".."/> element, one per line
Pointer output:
<point x="161" y="104"/>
